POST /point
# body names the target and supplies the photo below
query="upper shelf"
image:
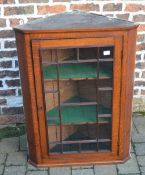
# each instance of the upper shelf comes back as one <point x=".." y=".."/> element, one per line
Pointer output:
<point x="75" y="20"/>
<point x="77" y="71"/>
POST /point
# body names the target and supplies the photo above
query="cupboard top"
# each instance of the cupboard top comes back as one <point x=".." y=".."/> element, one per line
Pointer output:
<point x="75" y="21"/>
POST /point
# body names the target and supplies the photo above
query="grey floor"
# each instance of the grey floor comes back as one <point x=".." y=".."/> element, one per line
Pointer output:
<point x="13" y="158"/>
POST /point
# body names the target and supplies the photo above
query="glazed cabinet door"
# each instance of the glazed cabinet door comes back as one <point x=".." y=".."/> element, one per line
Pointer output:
<point x="78" y="96"/>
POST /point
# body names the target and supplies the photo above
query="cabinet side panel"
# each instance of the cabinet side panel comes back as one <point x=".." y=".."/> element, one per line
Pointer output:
<point x="128" y="63"/>
<point x="129" y="86"/>
<point x="29" y="100"/>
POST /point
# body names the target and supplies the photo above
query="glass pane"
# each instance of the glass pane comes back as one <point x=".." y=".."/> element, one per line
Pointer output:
<point x="89" y="147"/>
<point x="78" y="98"/>
<point x="71" y="148"/>
<point x="66" y="54"/>
<point x="53" y="133"/>
<point x="50" y="56"/>
<point x="55" y="148"/>
<point x="76" y="92"/>
<point x="88" y="53"/>
<point x="105" y="99"/>
<point x="76" y="71"/>
<point x="78" y="114"/>
<point x="105" y="131"/>
<point x="51" y="95"/>
<point x="78" y="132"/>
<point x="106" y="52"/>
<point x="104" y="146"/>
<point x="105" y="70"/>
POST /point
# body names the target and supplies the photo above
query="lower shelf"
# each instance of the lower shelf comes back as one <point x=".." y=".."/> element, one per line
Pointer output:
<point x="78" y="142"/>
<point x="78" y="114"/>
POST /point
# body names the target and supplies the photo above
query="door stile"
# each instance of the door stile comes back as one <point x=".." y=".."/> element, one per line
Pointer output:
<point x="40" y="98"/>
<point x="116" y="94"/>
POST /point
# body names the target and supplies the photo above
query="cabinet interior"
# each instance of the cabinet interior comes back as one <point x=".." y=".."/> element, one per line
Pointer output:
<point x="78" y="87"/>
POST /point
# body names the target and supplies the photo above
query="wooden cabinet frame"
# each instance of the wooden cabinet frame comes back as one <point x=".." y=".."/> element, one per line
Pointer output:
<point x="29" y="45"/>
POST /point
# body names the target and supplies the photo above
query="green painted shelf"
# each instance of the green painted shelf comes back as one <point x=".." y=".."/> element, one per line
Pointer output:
<point x="80" y="70"/>
<point x="77" y="114"/>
